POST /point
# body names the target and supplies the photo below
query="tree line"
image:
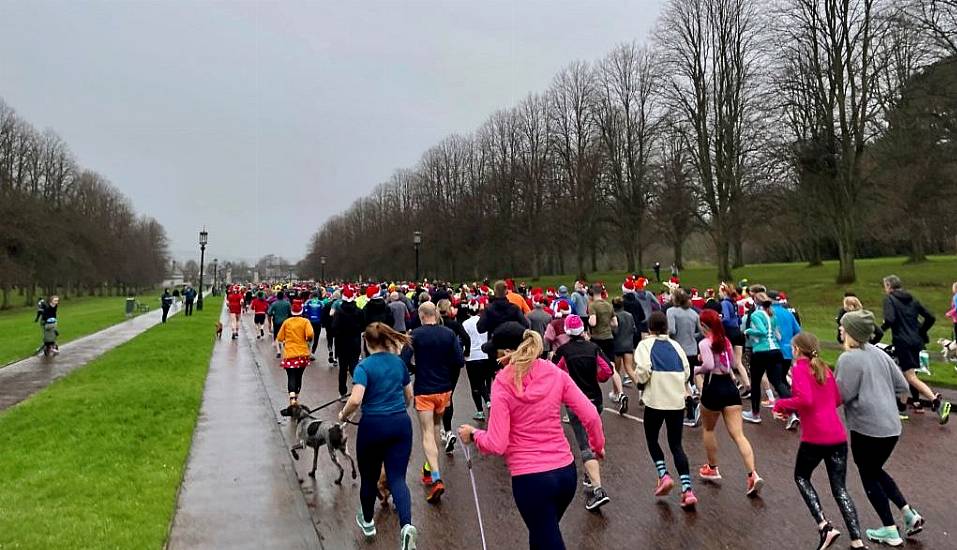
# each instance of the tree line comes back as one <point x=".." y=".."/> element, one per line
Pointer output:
<point x="786" y="130"/>
<point x="66" y="229"/>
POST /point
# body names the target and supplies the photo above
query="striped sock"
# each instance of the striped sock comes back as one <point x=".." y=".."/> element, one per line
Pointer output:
<point x="685" y="482"/>
<point x="662" y="469"/>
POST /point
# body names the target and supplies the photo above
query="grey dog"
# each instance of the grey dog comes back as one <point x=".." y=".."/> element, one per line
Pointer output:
<point x="315" y="433"/>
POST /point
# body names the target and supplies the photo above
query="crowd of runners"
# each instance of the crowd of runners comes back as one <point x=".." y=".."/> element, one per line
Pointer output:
<point x="536" y="359"/>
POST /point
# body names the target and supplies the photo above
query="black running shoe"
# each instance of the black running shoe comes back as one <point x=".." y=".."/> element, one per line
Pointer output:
<point x="827" y="535"/>
<point x="623" y="405"/>
<point x="597" y="499"/>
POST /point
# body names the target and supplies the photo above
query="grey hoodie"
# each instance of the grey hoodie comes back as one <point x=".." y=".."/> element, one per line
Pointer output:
<point x="870" y="383"/>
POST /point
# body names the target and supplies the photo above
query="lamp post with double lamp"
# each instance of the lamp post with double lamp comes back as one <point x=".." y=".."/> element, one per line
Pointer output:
<point x="417" y="241"/>
<point x="215" y="275"/>
<point x="203" y="239"/>
<point x="322" y="264"/>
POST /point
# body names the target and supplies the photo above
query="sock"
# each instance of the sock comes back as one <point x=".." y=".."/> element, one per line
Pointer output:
<point x="770" y="395"/>
<point x="713" y="466"/>
<point x="685" y="482"/>
<point x="436" y="476"/>
<point x="662" y="469"/>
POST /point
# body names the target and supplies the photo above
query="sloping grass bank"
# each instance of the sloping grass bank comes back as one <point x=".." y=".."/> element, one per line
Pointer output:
<point x="95" y="460"/>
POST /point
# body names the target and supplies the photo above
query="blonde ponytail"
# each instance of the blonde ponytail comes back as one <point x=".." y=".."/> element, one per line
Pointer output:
<point x="522" y="359"/>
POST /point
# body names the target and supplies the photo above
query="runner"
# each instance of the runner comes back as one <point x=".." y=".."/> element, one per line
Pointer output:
<point x="434" y="352"/>
<point x="478" y="364"/>
<point x="529" y="392"/>
<point x="295" y="333"/>
<point x="626" y="332"/>
<point x="399" y="311"/>
<point x="766" y="356"/>
<point x="234" y="303"/>
<point x="347" y="327"/>
<point x="278" y="312"/>
<point x="327" y="309"/>
<point x="720" y="399"/>
<point x="259" y="307"/>
<point x="602" y="322"/>
<point x="247" y="299"/>
<point x="447" y="314"/>
<point x="555" y="336"/>
<point x="313" y="312"/>
<point x="869" y="382"/>
<point x="732" y="328"/>
<point x="587" y="365"/>
<point x="661" y="365"/>
<point x="383" y="388"/>
<point x="684" y="328"/>
<point x="816" y="399"/>
<point x="910" y="323"/>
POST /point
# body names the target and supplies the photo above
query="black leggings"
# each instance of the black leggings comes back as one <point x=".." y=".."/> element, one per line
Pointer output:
<point x="542" y="499"/>
<point x="772" y="363"/>
<point x="348" y="359"/>
<point x="384" y="440"/>
<point x="673" y="421"/>
<point x="870" y="454"/>
<point x="330" y="341"/>
<point x="294" y="379"/>
<point x="454" y="373"/>
<point x="480" y="381"/>
<point x="317" y="329"/>
<point x="835" y="461"/>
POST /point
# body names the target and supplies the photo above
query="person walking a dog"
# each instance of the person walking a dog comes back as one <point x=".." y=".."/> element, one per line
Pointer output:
<point x="434" y="352"/>
<point x="295" y="333"/>
<point x="382" y="387"/>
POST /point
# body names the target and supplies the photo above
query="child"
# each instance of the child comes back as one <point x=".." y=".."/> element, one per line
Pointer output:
<point x="50" y="334"/>
<point x="663" y="368"/>
<point x="815" y="397"/>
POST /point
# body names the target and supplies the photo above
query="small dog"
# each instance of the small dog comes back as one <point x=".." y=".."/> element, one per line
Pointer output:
<point x="316" y="433"/>
<point x="948" y="348"/>
<point x="219" y="330"/>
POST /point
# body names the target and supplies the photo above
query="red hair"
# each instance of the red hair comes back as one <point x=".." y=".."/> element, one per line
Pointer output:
<point x="710" y="319"/>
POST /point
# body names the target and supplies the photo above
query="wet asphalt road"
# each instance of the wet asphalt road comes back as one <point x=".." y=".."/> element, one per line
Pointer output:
<point x="923" y="465"/>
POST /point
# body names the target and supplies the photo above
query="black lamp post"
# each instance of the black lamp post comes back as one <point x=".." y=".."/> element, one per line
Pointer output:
<point x="322" y="263"/>
<point x="203" y="239"/>
<point x="417" y="240"/>
<point x="215" y="275"/>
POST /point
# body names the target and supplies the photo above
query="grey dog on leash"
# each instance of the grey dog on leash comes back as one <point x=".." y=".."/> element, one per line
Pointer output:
<point x="315" y="433"/>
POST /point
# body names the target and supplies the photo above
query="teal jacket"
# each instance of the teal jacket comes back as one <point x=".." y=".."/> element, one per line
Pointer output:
<point x="762" y="332"/>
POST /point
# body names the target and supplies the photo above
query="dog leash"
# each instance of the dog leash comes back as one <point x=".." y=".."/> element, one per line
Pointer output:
<point x="329" y="404"/>
<point x="478" y="509"/>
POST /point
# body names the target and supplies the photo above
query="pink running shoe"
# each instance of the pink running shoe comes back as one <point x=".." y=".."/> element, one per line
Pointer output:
<point x="665" y="485"/>
<point x="688" y="500"/>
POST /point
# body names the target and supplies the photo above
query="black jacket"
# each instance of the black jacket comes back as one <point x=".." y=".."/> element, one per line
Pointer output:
<point x="326" y="315"/>
<point x="908" y="320"/>
<point x="459" y="331"/>
<point x="347" y="326"/>
<point x="499" y="311"/>
<point x="580" y="358"/>
<point x="376" y="310"/>
<point x="631" y="304"/>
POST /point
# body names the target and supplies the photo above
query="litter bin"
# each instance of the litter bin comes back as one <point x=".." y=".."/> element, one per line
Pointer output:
<point x="130" y="306"/>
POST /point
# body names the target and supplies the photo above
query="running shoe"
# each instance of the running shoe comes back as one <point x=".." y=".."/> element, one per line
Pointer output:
<point x="708" y="473"/>
<point x="746" y="392"/>
<point x="565" y="418"/>
<point x="450" y="440"/>
<point x="479" y="415"/>
<point x="751" y="418"/>
<point x="754" y="485"/>
<point x="278" y="356"/>
<point x="368" y="528"/>
<point x="793" y="422"/>
<point x="943" y="411"/>
<point x="885" y="535"/>
<point x="312" y="357"/>
<point x="614" y="396"/>
<point x="827" y="535"/>
<point x="597" y="499"/>
<point x="408" y="536"/>
<point x="435" y="492"/>
<point x="767" y="403"/>
<point x="918" y="407"/>
<point x="913" y="522"/>
<point x="623" y="405"/>
<point x="627" y="381"/>
<point x="426" y="475"/>
<point x="665" y="485"/>
<point x="586" y="481"/>
<point x="903" y="416"/>
<point x="688" y="500"/>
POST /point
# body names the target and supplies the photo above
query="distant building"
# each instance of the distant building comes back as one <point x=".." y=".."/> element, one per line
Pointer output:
<point x="174" y="277"/>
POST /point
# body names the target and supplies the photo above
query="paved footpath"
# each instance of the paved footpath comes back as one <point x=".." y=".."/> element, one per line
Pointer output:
<point x="22" y="379"/>
<point x="240" y="489"/>
<point x="922" y="464"/>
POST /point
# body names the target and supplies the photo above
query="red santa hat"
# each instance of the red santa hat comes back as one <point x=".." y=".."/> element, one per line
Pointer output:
<point x="640" y="283"/>
<point x="484" y="290"/>
<point x="510" y="284"/>
<point x="550" y="292"/>
<point x="562" y="308"/>
<point x="628" y="286"/>
<point x="348" y="294"/>
<point x="371" y="291"/>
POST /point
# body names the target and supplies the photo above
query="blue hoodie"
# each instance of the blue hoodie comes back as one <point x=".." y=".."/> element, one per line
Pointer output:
<point x="787" y="327"/>
<point x="313" y="310"/>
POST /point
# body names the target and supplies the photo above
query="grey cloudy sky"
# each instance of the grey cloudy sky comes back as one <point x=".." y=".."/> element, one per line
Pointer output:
<point x="262" y="119"/>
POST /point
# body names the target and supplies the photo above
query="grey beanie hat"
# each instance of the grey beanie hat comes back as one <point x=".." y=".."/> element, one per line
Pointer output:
<point x="859" y="325"/>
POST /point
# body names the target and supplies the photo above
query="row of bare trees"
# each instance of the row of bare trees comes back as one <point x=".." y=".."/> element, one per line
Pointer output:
<point x="63" y="228"/>
<point x="762" y="125"/>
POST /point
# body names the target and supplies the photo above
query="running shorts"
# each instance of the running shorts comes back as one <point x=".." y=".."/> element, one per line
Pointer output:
<point x="275" y="329"/>
<point x="235" y="310"/>
<point x="907" y="357"/>
<point x="736" y="337"/>
<point x="719" y="392"/>
<point x="260" y="318"/>
<point x="436" y="402"/>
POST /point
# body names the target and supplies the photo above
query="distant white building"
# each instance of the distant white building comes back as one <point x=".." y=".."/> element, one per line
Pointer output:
<point x="174" y="277"/>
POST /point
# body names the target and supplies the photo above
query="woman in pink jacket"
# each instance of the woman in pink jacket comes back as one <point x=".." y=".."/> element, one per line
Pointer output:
<point x="525" y="426"/>
<point x="815" y="397"/>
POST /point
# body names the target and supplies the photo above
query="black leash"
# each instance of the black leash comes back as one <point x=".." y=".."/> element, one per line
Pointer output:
<point x="329" y="404"/>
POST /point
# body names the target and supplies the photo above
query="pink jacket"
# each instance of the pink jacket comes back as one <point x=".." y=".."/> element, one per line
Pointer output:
<point x="816" y="404"/>
<point x="527" y="428"/>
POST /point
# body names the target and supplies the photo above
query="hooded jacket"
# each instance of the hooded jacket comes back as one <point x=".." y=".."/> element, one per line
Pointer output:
<point x="376" y="311"/>
<point x="631" y="304"/>
<point x="499" y="311"/>
<point x="347" y="326"/>
<point x="526" y="427"/>
<point x="901" y="312"/>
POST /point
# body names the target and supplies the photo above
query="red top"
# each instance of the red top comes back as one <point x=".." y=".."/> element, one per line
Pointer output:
<point x="235" y="301"/>
<point x="259" y="305"/>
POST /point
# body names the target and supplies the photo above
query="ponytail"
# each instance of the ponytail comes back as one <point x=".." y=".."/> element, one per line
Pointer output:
<point x="382" y="336"/>
<point x="808" y="345"/>
<point x="522" y="359"/>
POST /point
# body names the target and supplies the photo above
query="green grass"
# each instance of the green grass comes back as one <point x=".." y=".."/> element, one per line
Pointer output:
<point x="95" y="460"/>
<point x="817" y="297"/>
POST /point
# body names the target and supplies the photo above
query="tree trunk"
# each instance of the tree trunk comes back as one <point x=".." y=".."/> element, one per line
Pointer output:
<point x="677" y="246"/>
<point x="723" y="257"/>
<point x="738" y="251"/>
<point x="629" y="255"/>
<point x="918" y="247"/>
<point x="815" y="258"/>
<point x="845" y="253"/>
<point x="594" y="259"/>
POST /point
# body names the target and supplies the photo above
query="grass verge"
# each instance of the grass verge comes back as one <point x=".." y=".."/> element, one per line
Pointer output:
<point x="95" y="460"/>
<point x="817" y="297"/>
<point x="20" y="336"/>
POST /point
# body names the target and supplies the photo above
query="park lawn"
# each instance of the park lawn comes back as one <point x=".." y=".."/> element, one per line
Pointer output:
<point x="20" y="336"/>
<point x="95" y="460"/>
<point x="817" y="297"/>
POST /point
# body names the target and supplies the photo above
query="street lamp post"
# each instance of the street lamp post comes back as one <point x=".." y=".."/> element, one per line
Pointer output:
<point x="203" y="239"/>
<point x="322" y="263"/>
<point x="417" y="240"/>
<point x="215" y="275"/>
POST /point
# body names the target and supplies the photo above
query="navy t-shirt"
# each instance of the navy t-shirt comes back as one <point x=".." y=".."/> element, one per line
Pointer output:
<point x="384" y="376"/>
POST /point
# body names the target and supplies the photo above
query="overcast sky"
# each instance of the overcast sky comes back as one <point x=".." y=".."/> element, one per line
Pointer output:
<point x="262" y="119"/>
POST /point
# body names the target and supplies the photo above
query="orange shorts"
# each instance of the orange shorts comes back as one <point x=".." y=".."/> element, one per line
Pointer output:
<point x="436" y="402"/>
